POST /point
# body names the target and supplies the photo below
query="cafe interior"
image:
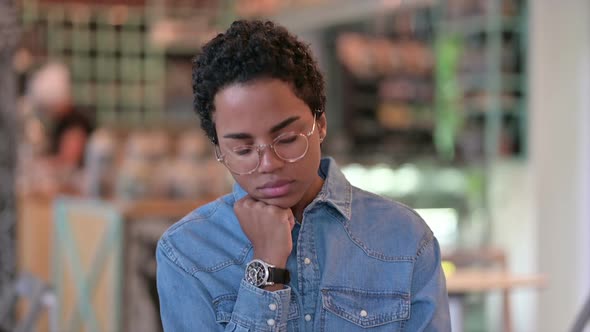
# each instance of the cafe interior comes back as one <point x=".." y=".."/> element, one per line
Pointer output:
<point x="476" y="113"/>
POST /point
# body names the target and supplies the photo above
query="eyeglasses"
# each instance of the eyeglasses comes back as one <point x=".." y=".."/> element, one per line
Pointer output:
<point x="245" y="159"/>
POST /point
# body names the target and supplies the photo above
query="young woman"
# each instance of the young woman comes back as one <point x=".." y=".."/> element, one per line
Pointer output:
<point x="294" y="247"/>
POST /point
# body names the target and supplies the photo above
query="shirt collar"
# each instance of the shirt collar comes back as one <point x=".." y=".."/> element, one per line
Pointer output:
<point x="238" y="192"/>
<point x="336" y="191"/>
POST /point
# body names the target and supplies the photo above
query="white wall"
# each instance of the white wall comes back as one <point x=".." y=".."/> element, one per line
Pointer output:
<point x="515" y="230"/>
<point x="559" y="58"/>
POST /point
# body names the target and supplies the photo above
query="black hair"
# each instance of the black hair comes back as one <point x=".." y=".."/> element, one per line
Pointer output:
<point x="74" y="118"/>
<point x="251" y="50"/>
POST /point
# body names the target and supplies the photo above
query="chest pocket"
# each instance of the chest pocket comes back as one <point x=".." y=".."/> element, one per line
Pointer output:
<point x="356" y="310"/>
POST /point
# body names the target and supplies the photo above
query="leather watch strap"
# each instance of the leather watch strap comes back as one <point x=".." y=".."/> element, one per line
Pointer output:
<point x="279" y="276"/>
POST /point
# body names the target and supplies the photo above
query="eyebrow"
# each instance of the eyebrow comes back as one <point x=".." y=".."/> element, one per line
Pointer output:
<point x="273" y="130"/>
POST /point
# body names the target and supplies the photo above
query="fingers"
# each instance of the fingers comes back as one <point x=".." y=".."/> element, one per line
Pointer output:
<point x="251" y="203"/>
<point x="291" y="221"/>
<point x="268" y="228"/>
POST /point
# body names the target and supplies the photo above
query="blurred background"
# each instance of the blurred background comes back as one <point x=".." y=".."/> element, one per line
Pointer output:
<point x="474" y="112"/>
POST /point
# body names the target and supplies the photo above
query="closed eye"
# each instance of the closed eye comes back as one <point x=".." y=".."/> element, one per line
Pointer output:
<point x="287" y="139"/>
<point x="243" y="150"/>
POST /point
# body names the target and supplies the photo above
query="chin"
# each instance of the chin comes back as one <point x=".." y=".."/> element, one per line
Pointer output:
<point x="285" y="202"/>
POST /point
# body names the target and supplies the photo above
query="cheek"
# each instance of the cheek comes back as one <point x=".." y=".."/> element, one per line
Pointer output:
<point x="315" y="155"/>
<point x="246" y="182"/>
<point x="308" y="167"/>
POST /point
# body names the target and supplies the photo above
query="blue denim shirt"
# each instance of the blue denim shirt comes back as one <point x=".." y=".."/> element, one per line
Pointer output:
<point x="360" y="262"/>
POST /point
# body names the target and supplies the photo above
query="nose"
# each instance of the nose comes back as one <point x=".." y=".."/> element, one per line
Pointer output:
<point x="269" y="161"/>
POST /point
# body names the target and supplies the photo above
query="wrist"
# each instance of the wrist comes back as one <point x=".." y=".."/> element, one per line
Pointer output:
<point x="277" y="261"/>
<point x="264" y="274"/>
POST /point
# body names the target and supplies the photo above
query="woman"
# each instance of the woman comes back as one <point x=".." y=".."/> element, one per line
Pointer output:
<point x="294" y="247"/>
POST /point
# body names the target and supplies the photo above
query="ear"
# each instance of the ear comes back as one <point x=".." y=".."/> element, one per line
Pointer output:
<point x="322" y="124"/>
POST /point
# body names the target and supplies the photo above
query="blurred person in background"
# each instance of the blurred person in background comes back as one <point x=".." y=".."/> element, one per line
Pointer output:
<point x="294" y="247"/>
<point x="65" y="130"/>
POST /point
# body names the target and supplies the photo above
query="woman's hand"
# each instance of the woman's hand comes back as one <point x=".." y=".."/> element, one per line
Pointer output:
<point x="269" y="229"/>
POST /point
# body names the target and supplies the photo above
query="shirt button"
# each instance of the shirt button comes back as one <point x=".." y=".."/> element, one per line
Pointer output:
<point x="364" y="313"/>
<point x="308" y="317"/>
<point x="307" y="261"/>
<point x="272" y="307"/>
<point x="270" y="322"/>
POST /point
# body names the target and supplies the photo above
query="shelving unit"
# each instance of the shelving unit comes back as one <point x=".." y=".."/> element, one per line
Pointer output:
<point x="387" y="100"/>
<point x="493" y="82"/>
<point x="117" y="51"/>
<point x="490" y="79"/>
<point x="115" y="70"/>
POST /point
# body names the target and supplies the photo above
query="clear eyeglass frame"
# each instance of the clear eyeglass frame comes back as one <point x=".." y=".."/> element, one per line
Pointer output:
<point x="261" y="147"/>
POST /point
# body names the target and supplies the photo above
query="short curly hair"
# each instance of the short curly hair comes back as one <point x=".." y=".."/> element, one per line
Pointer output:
<point x="251" y="50"/>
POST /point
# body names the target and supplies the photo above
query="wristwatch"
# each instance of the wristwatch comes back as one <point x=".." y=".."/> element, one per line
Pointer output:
<point x="261" y="274"/>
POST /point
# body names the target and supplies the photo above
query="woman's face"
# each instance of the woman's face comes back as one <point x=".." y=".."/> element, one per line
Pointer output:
<point x="71" y="146"/>
<point x="256" y="113"/>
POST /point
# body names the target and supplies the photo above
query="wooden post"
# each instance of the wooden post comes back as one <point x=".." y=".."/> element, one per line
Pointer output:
<point x="9" y="35"/>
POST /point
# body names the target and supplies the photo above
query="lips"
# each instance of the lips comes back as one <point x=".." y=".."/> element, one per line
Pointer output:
<point x="276" y="188"/>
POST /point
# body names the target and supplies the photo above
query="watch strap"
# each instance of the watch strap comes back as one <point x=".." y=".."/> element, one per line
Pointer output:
<point x="279" y="276"/>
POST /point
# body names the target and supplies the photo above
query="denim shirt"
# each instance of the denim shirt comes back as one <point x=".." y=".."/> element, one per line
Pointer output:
<point x="360" y="262"/>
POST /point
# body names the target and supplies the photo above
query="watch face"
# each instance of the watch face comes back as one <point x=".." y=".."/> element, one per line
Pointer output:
<point x="256" y="273"/>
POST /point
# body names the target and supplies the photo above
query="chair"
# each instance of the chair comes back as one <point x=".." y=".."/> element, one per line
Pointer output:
<point x="39" y="294"/>
<point x="87" y="266"/>
<point x="489" y="257"/>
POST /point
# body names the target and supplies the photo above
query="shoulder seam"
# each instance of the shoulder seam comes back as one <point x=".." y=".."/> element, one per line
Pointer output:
<point x="424" y="242"/>
<point x="169" y="252"/>
<point x="197" y="217"/>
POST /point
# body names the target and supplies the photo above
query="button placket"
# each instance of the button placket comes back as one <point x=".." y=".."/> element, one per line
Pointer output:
<point x="308" y="272"/>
